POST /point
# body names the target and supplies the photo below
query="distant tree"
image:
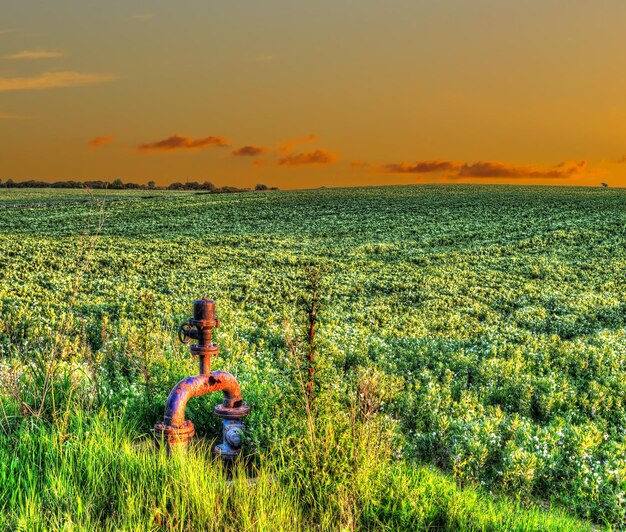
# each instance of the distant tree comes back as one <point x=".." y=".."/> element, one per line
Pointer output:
<point x="118" y="184"/>
<point x="32" y="184"/>
<point x="96" y="184"/>
<point x="605" y="185"/>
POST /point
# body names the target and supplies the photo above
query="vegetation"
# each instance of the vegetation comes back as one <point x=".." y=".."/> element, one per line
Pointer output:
<point x="476" y="330"/>
<point x="97" y="477"/>
<point x="118" y="184"/>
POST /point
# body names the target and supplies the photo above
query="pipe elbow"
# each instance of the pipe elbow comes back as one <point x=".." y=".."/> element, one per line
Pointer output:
<point x="197" y="386"/>
<point x="228" y="385"/>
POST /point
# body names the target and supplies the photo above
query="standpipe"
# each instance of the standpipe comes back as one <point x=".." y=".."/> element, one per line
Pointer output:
<point x="175" y="430"/>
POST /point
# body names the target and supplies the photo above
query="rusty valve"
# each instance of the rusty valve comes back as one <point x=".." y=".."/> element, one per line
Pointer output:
<point x="175" y="430"/>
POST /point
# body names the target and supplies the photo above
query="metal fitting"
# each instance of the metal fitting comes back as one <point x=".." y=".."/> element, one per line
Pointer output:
<point x="175" y="437"/>
<point x="174" y="430"/>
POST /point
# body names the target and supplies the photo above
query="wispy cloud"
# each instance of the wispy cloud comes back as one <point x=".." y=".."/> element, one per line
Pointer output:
<point x="289" y="144"/>
<point x="103" y="140"/>
<point x="53" y="80"/>
<point x="13" y="116"/>
<point x="315" y="157"/>
<point x="178" y="142"/>
<point x="250" y="151"/>
<point x="33" y="54"/>
<point x="359" y="165"/>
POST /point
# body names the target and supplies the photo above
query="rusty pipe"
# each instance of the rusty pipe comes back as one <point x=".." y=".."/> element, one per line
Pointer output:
<point x="200" y="327"/>
<point x="217" y="381"/>
<point x="175" y="430"/>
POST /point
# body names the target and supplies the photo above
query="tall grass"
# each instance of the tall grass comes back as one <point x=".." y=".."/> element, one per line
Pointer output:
<point x="103" y="475"/>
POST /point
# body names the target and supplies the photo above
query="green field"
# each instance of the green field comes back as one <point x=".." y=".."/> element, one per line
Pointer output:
<point x="470" y="357"/>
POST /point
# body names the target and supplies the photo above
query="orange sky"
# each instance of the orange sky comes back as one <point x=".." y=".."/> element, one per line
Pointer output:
<point x="306" y="94"/>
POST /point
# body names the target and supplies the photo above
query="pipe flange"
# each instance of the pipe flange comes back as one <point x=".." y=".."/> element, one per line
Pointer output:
<point x="205" y="324"/>
<point x="235" y="412"/>
<point x="205" y="350"/>
<point x="174" y="435"/>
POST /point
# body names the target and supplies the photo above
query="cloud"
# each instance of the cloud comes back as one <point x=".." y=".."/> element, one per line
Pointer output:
<point x="420" y="167"/>
<point x="497" y="169"/>
<point x="33" y="54"/>
<point x="53" y="80"/>
<point x="288" y="145"/>
<point x="284" y="154"/>
<point x="177" y="142"/>
<point x="360" y="164"/>
<point x="315" y="157"/>
<point x="250" y="151"/>
<point x="487" y="169"/>
<point x="103" y="140"/>
<point x="4" y="31"/>
<point x="12" y="116"/>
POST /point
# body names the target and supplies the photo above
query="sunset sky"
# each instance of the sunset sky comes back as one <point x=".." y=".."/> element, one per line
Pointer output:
<point x="307" y="94"/>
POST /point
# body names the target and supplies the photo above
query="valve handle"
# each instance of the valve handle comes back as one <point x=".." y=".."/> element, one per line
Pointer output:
<point x="183" y="332"/>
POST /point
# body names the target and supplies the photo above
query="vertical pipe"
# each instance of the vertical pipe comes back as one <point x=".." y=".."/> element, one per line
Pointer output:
<point x="204" y="363"/>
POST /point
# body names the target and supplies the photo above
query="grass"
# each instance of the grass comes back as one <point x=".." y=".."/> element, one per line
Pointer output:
<point x="99" y="473"/>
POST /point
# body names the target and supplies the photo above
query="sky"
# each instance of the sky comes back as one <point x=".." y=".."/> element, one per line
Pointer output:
<point x="307" y="94"/>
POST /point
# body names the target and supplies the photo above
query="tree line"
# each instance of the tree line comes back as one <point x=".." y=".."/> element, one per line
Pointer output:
<point x="118" y="184"/>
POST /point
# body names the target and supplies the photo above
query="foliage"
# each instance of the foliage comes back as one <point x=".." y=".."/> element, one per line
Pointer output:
<point x="94" y="474"/>
<point x="478" y="329"/>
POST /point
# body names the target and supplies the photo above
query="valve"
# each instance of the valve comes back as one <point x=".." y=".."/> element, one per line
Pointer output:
<point x="232" y="436"/>
<point x="186" y="332"/>
<point x="200" y="328"/>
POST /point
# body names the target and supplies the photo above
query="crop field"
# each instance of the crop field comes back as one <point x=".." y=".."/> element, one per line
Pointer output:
<point x="469" y="357"/>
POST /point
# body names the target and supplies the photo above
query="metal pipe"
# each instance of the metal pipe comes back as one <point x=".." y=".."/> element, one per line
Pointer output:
<point x="217" y="381"/>
<point x="174" y="430"/>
